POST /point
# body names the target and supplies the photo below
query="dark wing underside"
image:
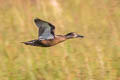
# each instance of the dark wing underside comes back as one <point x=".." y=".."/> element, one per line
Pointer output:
<point x="46" y="29"/>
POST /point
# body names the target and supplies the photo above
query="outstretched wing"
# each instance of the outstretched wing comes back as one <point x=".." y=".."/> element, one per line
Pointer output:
<point x="46" y="29"/>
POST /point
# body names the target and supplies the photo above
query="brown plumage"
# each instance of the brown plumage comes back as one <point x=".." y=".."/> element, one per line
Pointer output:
<point x="47" y="37"/>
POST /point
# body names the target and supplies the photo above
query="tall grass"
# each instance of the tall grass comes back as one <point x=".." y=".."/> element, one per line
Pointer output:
<point x="96" y="57"/>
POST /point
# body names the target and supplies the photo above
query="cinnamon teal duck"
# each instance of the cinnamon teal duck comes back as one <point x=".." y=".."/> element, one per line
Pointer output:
<point x="47" y="37"/>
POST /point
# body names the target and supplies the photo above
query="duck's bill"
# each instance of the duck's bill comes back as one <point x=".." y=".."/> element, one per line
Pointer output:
<point x="80" y="36"/>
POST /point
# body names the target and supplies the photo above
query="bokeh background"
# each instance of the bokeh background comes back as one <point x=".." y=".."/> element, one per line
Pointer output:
<point x="96" y="57"/>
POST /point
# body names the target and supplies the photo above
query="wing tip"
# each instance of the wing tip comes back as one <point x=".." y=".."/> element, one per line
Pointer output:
<point x="36" y="19"/>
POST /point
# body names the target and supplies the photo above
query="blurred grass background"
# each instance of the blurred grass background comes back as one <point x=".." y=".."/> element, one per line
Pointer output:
<point x="96" y="57"/>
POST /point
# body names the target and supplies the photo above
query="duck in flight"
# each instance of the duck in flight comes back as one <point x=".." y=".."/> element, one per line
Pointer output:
<point x="46" y="35"/>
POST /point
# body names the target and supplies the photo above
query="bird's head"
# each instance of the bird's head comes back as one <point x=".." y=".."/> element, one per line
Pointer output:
<point x="73" y="35"/>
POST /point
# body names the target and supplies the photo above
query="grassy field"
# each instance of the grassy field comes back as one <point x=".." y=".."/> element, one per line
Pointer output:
<point x="96" y="57"/>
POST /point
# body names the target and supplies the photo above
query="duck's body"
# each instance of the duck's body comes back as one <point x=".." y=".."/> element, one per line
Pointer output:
<point x="46" y="43"/>
<point x="47" y="37"/>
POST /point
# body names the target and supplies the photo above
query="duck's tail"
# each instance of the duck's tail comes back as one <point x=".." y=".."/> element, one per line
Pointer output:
<point x="29" y="42"/>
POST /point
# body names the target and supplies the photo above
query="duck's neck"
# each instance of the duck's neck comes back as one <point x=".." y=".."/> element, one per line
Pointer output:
<point x="67" y="36"/>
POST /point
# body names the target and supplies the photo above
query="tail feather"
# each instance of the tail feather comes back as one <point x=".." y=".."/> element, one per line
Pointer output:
<point x="29" y="42"/>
